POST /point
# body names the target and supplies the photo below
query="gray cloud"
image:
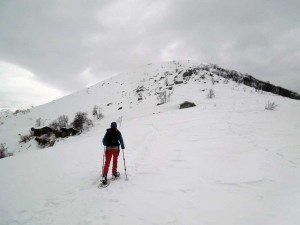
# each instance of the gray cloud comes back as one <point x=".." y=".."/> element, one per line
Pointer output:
<point x="59" y="41"/>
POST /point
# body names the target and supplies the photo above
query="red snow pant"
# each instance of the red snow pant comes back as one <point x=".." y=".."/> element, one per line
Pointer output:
<point x="109" y="153"/>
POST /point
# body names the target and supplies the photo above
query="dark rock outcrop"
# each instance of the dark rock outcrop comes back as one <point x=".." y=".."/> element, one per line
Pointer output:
<point x="186" y="104"/>
<point x="41" y="131"/>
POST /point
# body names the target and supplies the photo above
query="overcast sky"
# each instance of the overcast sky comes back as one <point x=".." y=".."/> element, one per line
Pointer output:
<point x="52" y="48"/>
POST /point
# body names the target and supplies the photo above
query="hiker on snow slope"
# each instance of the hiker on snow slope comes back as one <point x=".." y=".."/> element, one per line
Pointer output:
<point x="112" y="140"/>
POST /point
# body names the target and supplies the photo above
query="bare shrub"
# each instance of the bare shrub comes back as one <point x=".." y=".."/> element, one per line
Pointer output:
<point x="54" y="125"/>
<point x="61" y="121"/>
<point x="164" y="96"/>
<point x="81" y="121"/>
<point x="46" y="140"/>
<point x="21" y="111"/>
<point x="3" y="151"/>
<point x="25" y="138"/>
<point x="97" y="112"/>
<point x="89" y="123"/>
<point x="271" y="106"/>
<point x="211" y="93"/>
<point x="39" y="122"/>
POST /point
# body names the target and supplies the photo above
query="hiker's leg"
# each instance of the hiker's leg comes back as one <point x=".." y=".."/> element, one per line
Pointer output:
<point x="108" y="155"/>
<point x="115" y="161"/>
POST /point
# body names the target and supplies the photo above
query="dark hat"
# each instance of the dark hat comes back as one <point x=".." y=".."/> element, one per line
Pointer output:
<point x="113" y="125"/>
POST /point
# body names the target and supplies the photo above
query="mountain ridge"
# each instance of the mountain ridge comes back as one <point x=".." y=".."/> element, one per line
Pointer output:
<point x="177" y="73"/>
<point x="137" y="90"/>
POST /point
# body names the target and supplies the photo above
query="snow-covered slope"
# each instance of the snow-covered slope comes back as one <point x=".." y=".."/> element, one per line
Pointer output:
<point x="225" y="161"/>
<point x="132" y="94"/>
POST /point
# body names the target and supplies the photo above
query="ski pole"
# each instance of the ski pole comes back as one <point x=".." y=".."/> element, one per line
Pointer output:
<point x="103" y="160"/>
<point x="124" y="164"/>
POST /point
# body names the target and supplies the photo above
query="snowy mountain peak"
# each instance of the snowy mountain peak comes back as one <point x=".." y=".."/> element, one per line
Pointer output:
<point x="144" y="84"/>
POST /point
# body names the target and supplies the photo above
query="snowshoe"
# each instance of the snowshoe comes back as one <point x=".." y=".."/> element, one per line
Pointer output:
<point x="115" y="176"/>
<point x="104" y="183"/>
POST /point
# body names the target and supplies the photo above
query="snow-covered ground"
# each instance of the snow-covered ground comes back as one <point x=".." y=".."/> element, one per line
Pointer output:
<point x="226" y="161"/>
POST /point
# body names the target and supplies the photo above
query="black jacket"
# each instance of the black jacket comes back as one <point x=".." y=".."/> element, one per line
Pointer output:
<point x="113" y="137"/>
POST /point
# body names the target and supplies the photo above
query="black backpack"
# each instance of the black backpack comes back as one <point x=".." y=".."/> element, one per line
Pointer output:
<point x="112" y="138"/>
